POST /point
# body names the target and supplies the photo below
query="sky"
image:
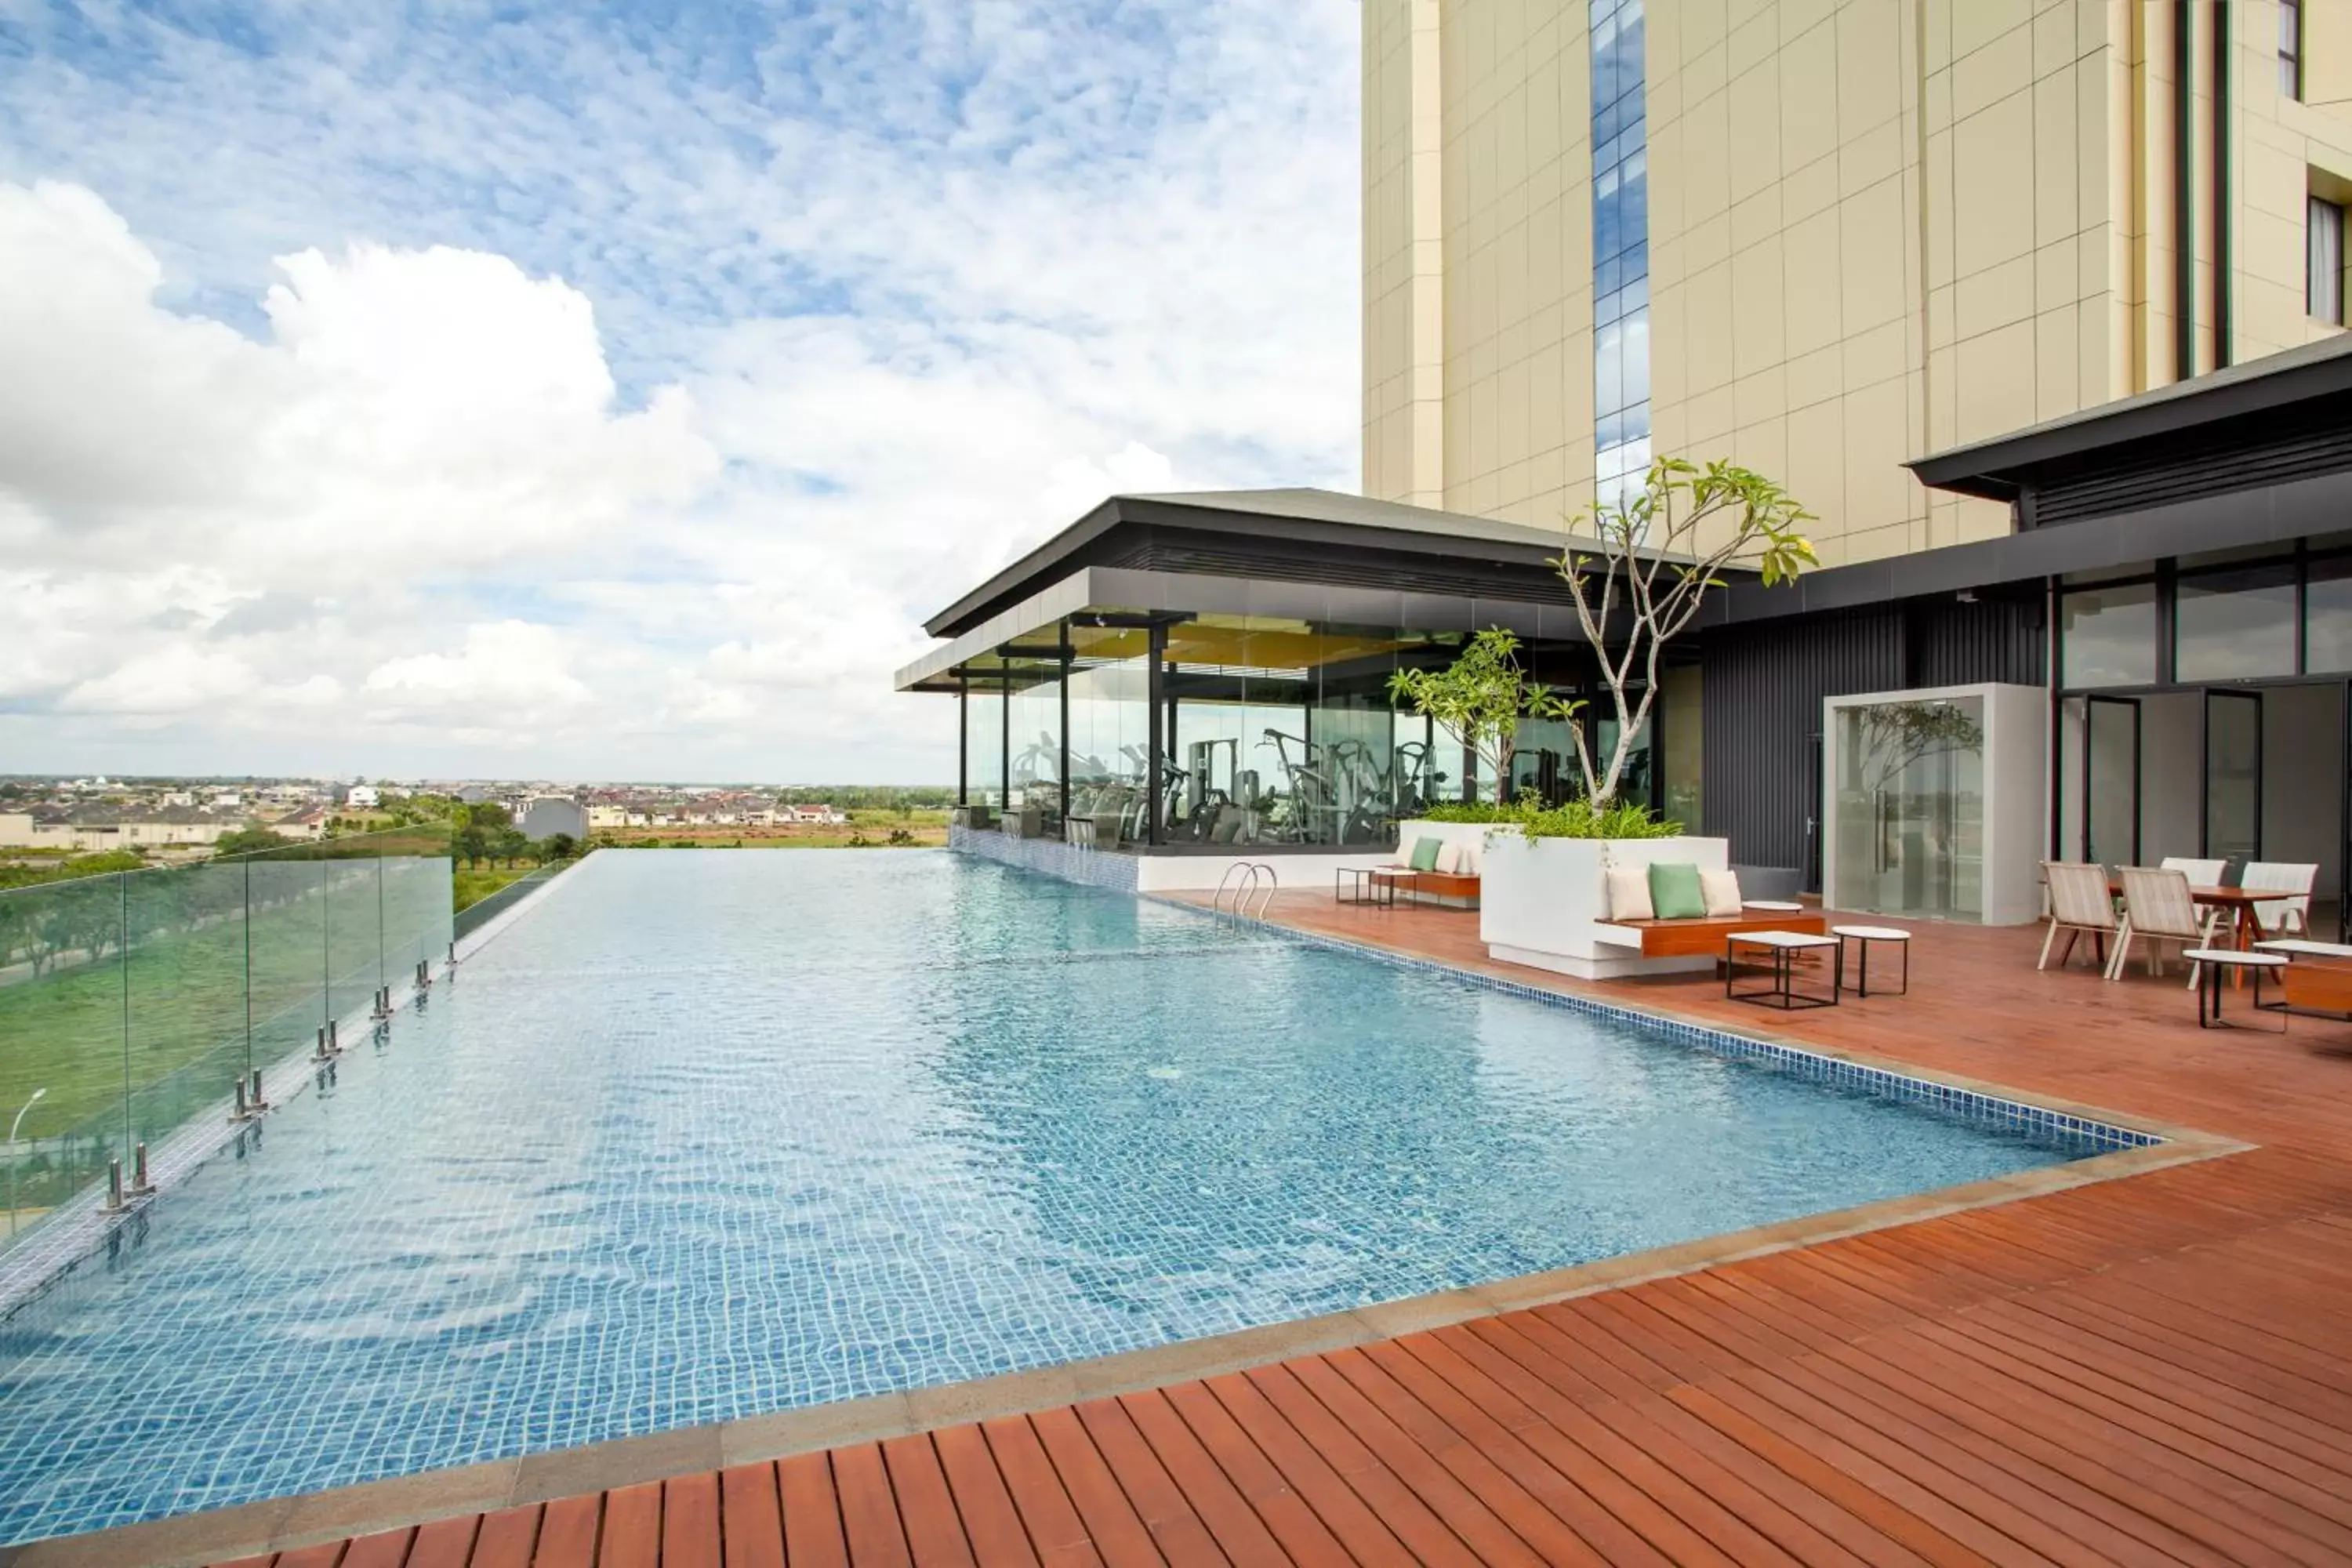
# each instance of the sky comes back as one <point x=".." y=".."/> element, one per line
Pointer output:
<point x="609" y="391"/>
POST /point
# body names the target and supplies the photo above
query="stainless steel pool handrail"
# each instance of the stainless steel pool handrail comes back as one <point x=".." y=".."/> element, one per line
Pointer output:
<point x="1249" y="876"/>
<point x="1273" y="885"/>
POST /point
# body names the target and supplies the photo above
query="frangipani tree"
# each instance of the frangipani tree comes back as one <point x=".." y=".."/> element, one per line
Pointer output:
<point x="1661" y="552"/>
<point x="1479" y="700"/>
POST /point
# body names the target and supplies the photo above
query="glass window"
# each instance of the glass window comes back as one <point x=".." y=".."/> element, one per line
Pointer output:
<point x="2323" y="280"/>
<point x="983" y="729"/>
<point x="2290" y="48"/>
<point x="2327" y="617"/>
<point x="1035" y="786"/>
<point x="2107" y="637"/>
<point x="1621" y="228"/>
<point x="1110" y="734"/>
<point x="2232" y="625"/>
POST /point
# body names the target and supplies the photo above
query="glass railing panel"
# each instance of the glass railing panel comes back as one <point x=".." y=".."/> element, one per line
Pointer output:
<point x="63" y="1102"/>
<point x="185" y="977"/>
<point x="133" y="1005"/>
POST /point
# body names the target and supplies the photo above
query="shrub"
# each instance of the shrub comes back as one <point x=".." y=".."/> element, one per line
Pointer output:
<point x="1582" y="819"/>
<point x="1468" y="811"/>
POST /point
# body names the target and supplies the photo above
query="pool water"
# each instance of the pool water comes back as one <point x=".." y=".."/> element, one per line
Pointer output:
<point x="706" y="1134"/>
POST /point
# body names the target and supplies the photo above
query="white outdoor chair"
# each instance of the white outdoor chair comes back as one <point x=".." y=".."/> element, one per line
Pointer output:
<point x="2078" y="903"/>
<point x="2282" y="917"/>
<point x="2157" y="906"/>
<point x="2200" y="873"/>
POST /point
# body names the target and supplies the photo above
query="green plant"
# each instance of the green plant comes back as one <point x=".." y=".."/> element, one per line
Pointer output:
<point x="1582" y="819"/>
<point x="1468" y="811"/>
<point x="1652" y="572"/>
<point x="1480" y="697"/>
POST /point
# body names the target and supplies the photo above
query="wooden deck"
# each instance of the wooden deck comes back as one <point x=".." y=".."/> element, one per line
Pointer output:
<point x="2150" y="1370"/>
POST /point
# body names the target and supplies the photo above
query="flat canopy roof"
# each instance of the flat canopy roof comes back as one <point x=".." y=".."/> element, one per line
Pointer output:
<point x="1998" y="468"/>
<point x="1265" y="523"/>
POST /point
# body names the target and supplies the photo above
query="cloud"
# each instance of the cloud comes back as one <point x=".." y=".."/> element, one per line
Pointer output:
<point x="573" y="397"/>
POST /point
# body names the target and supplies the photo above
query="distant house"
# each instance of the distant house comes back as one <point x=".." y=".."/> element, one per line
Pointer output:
<point x="310" y="821"/>
<point x="828" y="815"/>
<point x="608" y="817"/>
<point x="362" y="796"/>
<point x="544" y="816"/>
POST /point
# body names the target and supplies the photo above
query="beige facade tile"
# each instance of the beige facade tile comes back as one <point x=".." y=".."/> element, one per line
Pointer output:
<point x="1871" y="243"/>
<point x="1811" y="258"/>
<point x="1816" y="377"/>
<point x="1807" y="93"/>
<point x="1710" y="418"/>
<point x="2054" y="45"/>
<point x="1705" y="326"/>
<point x="2057" y="207"/>
<point x="1994" y="383"/>
<point x="1753" y="41"/>
<point x="1993" y="298"/>
<point x="1810" y="190"/>
<point x="1706" y="159"/>
<point x="1871" y="67"/>
<point x="1763" y="446"/>
<point x="1754" y="130"/>
<point x="2057" y="364"/>
<point x="2057" y="275"/>
<point x="2001" y="66"/>
<point x="1870" y="156"/>
<point x="1978" y="24"/>
<point x="1760" y="396"/>
<point x="1757" y="219"/>
<point x="1758" y="305"/>
<point x="1869" y="358"/>
<point x="1992" y="154"/>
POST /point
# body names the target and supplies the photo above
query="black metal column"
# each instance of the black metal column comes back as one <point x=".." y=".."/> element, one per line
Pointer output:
<point x="1005" y="740"/>
<point x="963" y="740"/>
<point x="1066" y="722"/>
<point x="1155" y="688"/>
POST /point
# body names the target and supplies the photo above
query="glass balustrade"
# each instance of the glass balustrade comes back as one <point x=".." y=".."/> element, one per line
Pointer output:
<point x="131" y="1005"/>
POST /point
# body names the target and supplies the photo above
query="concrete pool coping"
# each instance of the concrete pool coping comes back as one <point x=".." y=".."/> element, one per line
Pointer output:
<point x="289" y="1523"/>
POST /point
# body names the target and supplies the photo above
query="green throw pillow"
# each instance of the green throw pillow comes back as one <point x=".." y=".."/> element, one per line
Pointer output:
<point x="1673" y="890"/>
<point x="1424" y="855"/>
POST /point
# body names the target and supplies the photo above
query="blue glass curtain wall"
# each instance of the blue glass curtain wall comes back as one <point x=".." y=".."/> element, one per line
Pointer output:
<point x="1620" y="252"/>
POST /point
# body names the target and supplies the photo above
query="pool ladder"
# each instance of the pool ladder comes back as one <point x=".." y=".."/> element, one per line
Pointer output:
<point x="1242" y="878"/>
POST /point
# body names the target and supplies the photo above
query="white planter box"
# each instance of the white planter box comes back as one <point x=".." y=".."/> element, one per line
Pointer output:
<point x="1545" y="901"/>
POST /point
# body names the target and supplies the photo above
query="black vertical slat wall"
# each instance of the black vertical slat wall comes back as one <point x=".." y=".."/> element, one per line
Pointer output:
<point x="1762" y="688"/>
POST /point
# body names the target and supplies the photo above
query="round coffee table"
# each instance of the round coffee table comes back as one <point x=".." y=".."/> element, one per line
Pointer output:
<point x="1863" y="936"/>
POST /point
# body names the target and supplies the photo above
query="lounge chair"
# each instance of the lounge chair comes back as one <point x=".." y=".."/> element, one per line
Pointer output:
<point x="2156" y="907"/>
<point x="2079" y="902"/>
<point x="2284" y="916"/>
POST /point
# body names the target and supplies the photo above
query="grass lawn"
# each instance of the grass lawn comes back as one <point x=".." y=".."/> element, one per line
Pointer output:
<point x="926" y="828"/>
<point x="470" y="886"/>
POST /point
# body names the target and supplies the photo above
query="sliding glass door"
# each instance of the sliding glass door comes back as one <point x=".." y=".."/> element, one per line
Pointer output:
<point x="1909" y="808"/>
<point x="2234" y="774"/>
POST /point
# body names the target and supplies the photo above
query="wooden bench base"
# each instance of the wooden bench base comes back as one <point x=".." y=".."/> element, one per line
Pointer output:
<point x="1704" y="937"/>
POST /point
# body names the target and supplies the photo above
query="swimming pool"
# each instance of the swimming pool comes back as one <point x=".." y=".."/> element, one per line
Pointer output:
<point x="706" y="1134"/>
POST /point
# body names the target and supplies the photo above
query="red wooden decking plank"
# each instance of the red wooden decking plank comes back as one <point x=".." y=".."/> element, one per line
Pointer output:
<point x="1601" y="1515"/>
<point x="813" y="1535"/>
<point x="506" y="1538"/>
<point x="632" y="1535"/>
<point x="2025" y="1503"/>
<point x="1588" y="1452"/>
<point x="1177" y="1528"/>
<point x="751" y="1516"/>
<point x="1337" y="1515"/>
<point x="2039" y="1409"/>
<point x="329" y="1556"/>
<point x="386" y="1549"/>
<point x="568" y="1532"/>
<point x="443" y="1543"/>
<point x="2206" y="1529"/>
<point x="1046" y="1512"/>
<point x="691" y="1521"/>
<point x="869" y="1511"/>
<point x="1112" y="1523"/>
<point x="1246" y="1536"/>
<point x="1364" y="1499"/>
<point x="1481" y="1507"/>
<point x="927" y="1509"/>
<point x="1794" y="1518"/>
<point x="991" y="1524"/>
